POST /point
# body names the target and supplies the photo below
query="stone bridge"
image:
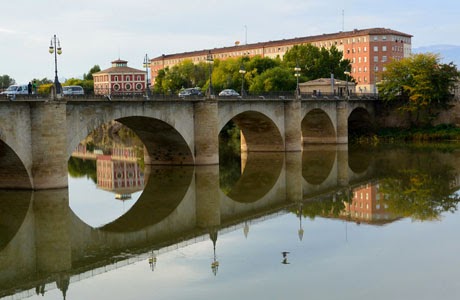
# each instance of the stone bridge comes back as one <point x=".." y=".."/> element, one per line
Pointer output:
<point x="43" y="134"/>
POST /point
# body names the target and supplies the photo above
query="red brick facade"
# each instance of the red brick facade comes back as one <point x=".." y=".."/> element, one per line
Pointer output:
<point x="367" y="49"/>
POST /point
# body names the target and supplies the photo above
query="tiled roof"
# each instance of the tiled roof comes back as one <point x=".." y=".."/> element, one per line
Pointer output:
<point x="297" y="40"/>
<point x="119" y="70"/>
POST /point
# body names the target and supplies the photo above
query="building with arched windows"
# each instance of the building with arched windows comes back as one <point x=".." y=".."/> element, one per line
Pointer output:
<point x="119" y="79"/>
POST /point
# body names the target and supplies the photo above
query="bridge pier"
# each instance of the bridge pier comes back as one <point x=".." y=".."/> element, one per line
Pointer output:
<point x="292" y="126"/>
<point x="342" y="122"/>
<point x="206" y="132"/>
<point x="49" y="145"/>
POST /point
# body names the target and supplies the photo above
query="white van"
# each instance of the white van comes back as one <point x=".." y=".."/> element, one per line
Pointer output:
<point x="73" y="90"/>
<point x="16" y="89"/>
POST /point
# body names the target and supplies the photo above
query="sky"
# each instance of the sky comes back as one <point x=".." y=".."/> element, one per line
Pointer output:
<point x="98" y="32"/>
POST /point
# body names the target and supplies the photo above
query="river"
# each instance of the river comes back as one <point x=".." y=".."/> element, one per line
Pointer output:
<point x="369" y="222"/>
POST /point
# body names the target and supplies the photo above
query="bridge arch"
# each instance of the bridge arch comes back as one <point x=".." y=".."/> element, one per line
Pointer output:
<point x="318" y="128"/>
<point x="259" y="132"/>
<point x="360" y="122"/>
<point x="167" y="132"/>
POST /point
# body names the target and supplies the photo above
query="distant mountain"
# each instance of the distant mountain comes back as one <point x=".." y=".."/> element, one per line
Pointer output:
<point x="448" y="53"/>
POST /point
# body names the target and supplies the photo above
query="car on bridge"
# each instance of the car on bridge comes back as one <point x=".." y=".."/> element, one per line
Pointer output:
<point x="73" y="90"/>
<point x="228" y="93"/>
<point x="16" y="89"/>
<point x="190" y="92"/>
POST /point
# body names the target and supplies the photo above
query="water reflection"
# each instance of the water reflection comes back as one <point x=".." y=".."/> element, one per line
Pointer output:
<point x="45" y="243"/>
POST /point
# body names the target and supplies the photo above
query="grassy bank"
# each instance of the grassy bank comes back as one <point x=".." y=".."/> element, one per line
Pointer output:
<point x="425" y="134"/>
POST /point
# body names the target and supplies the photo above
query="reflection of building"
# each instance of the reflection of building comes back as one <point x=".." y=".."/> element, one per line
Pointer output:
<point x="121" y="177"/>
<point x="119" y="79"/>
<point x="368" y="205"/>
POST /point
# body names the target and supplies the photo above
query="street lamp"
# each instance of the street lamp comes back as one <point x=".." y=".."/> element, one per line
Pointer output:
<point x="297" y="70"/>
<point x="210" y="61"/>
<point x="242" y="72"/>
<point x="56" y="46"/>
<point x="347" y="74"/>
<point x="146" y="66"/>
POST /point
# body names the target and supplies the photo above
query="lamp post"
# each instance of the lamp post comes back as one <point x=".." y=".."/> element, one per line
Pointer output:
<point x="146" y="66"/>
<point x="346" y="85"/>
<point x="210" y="61"/>
<point x="55" y="47"/>
<point x="242" y="72"/>
<point x="297" y="70"/>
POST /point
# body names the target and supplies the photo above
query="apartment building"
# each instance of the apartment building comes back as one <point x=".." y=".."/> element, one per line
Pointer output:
<point x="367" y="49"/>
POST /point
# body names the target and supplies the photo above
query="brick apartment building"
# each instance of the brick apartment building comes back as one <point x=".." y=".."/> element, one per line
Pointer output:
<point x="367" y="49"/>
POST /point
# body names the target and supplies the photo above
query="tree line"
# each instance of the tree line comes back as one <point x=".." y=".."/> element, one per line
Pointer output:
<point x="261" y="74"/>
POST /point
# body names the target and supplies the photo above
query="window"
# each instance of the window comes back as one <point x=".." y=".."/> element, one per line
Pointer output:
<point x="365" y="59"/>
<point x="115" y="78"/>
<point x="376" y="38"/>
<point x="365" y="48"/>
<point x="384" y="38"/>
<point x="376" y="59"/>
<point x="384" y="58"/>
<point x="384" y="48"/>
<point x="376" y="49"/>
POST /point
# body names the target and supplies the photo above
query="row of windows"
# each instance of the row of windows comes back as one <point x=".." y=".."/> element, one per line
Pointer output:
<point x="118" y="87"/>
<point x="116" y="78"/>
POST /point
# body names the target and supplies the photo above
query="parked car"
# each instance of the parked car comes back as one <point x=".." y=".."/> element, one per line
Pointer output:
<point x="16" y="89"/>
<point x="190" y="92"/>
<point x="73" y="90"/>
<point x="228" y="93"/>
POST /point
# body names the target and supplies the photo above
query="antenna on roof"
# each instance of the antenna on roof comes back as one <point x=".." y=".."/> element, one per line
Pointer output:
<point x="245" y="34"/>
<point x="343" y="20"/>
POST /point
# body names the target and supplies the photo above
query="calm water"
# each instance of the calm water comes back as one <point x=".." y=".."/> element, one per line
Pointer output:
<point x="328" y="223"/>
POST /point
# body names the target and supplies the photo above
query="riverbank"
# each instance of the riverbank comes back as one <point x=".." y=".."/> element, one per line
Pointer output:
<point x="438" y="133"/>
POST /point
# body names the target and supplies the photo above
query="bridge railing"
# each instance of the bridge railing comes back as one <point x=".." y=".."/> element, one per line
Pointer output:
<point x="143" y="96"/>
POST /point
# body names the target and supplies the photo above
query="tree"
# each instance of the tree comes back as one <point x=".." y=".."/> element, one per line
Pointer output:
<point x="93" y="70"/>
<point x="6" y="81"/>
<point x="418" y="84"/>
<point x="277" y="79"/>
<point x="87" y="85"/>
<point x="317" y="62"/>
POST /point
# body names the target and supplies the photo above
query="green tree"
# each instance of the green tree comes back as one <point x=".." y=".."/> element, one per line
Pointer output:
<point x="87" y="85"/>
<point x="6" y="81"/>
<point x="317" y="62"/>
<point x="277" y="79"/>
<point x="93" y="70"/>
<point x="418" y="84"/>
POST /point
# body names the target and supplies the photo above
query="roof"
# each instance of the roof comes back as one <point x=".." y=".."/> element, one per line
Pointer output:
<point x="297" y="40"/>
<point x="325" y="81"/>
<point x="119" y="66"/>
<point x="119" y="70"/>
